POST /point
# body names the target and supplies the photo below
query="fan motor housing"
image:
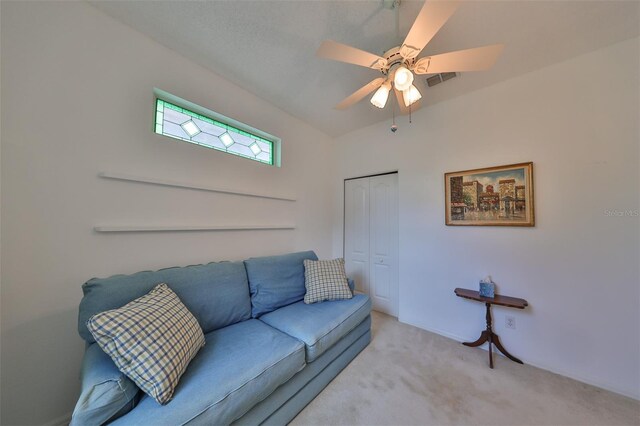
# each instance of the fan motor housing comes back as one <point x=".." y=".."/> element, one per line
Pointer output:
<point x="394" y="59"/>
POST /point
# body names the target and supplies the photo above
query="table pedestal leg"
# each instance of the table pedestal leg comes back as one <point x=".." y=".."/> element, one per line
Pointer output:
<point x="489" y="336"/>
<point x="496" y="341"/>
<point x="484" y="337"/>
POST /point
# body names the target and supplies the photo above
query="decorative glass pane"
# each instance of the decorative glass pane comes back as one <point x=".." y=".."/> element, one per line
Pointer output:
<point x="264" y="147"/>
<point x="183" y="124"/>
<point x="240" y="138"/>
<point x="175" y="116"/>
<point x="255" y="149"/>
<point x="226" y="139"/>
<point x="174" y="130"/>
<point x="208" y="140"/>
<point x="264" y="156"/>
<point x="191" y="128"/>
<point x="212" y="129"/>
<point x="240" y="149"/>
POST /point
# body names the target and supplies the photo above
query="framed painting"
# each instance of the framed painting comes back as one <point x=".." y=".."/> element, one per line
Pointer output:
<point x="493" y="196"/>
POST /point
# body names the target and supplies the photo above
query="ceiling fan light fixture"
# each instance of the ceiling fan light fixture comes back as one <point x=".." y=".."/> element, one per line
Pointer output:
<point x="411" y="95"/>
<point x="379" y="99"/>
<point x="400" y="64"/>
<point x="403" y="78"/>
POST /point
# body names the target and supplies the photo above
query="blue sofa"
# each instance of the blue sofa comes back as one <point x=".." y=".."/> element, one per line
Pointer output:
<point x="267" y="354"/>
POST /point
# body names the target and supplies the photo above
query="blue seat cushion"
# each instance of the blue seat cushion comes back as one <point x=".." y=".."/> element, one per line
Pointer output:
<point x="320" y="325"/>
<point x="276" y="281"/>
<point x="238" y="367"/>
<point x="106" y="391"/>
<point x="217" y="294"/>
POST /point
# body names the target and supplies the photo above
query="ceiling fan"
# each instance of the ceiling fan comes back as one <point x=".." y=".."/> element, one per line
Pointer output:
<point x="399" y="63"/>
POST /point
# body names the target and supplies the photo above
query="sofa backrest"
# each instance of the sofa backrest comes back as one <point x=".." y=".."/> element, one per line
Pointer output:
<point x="217" y="294"/>
<point x="276" y="281"/>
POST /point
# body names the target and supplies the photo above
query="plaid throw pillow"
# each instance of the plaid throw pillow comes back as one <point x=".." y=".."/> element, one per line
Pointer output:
<point x="325" y="280"/>
<point x="151" y="339"/>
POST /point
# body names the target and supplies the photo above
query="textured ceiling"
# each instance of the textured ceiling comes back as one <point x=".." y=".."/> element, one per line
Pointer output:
<point x="269" y="46"/>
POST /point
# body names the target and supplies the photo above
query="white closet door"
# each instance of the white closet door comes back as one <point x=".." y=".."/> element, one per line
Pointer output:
<point x="371" y="239"/>
<point x="356" y="245"/>
<point x="383" y="228"/>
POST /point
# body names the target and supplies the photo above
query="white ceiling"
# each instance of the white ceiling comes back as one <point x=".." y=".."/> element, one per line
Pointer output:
<point x="268" y="47"/>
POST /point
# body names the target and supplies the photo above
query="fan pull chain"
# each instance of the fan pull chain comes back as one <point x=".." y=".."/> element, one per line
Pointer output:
<point x="394" y="128"/>
<point x="393" y="119"/>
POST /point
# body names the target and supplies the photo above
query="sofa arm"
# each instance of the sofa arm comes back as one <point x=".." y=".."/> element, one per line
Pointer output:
<point x="106" y="392"/>
<point x="352" y="285"/>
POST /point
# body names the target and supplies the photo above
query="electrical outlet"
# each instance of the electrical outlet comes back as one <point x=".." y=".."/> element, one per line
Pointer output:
<point x="510" y="322"/>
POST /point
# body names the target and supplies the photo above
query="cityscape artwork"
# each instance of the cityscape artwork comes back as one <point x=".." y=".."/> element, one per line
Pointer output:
<point x="494" y="196"/>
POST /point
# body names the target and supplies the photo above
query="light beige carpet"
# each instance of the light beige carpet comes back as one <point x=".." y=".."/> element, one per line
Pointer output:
<point x="408" y="376"/>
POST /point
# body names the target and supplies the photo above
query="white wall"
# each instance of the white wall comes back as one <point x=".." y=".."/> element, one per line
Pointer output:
<point x="79" y="86"/>
<point x="578" y="268"/>
<point x="76" y="100"/>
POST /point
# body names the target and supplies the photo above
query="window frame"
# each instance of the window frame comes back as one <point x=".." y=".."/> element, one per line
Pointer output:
<point x="230" y="123"/>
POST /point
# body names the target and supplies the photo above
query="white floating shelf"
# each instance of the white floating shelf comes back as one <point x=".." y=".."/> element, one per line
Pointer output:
<point x="175" y="184"/>
<point x="190" y="228"/>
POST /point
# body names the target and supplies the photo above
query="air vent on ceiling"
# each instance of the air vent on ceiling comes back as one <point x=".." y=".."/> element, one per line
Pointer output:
<point x="439" y="78"/>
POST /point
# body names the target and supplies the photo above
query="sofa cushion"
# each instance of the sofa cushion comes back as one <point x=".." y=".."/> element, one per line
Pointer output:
<point x="276" y="281"/>
<point x="106" y="391"/>
<point x="304" y="385"/>
<point x="325" y="280"/>
<point x="217" y="294"/>
<point x="151" y="339"/>
<point x="320" y="325"/>
<point x="239" y="366"/>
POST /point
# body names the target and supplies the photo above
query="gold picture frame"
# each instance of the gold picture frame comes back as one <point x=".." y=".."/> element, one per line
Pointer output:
<point x="492" y="196"/>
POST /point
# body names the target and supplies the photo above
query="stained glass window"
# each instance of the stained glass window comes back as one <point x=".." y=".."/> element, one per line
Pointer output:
<point x="189" y="126"/>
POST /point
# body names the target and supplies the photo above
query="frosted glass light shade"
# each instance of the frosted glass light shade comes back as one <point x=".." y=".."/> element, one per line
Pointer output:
<point x="403" y="79"/>
<point x="379" y="99"/>
<point x="411" y="95"/>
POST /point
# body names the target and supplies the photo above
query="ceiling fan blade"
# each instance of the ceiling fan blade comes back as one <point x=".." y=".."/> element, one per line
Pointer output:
<point x="360" y="93"/>
<point x="432" y="16"/>
<point x="476" y="59"/>
<point x="330" y="49"/>
<point x="404" y="110"/>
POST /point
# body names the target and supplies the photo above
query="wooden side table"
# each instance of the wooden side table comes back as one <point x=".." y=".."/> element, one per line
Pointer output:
<point x="488" y="335"/>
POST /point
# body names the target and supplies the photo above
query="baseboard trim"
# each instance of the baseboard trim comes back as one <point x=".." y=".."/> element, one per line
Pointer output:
<point x="541" y="365"/>
<point x="63" y="420"/>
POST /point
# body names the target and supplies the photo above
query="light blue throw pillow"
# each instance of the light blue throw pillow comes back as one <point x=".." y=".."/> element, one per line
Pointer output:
<point x="106" y="392"/>
<point x="276" y="281"/>
<point x="217" y="294"/>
